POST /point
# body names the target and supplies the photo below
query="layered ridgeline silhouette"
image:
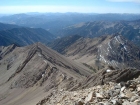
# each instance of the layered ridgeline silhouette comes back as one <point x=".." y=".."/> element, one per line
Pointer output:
<point x="129" y="29"/>
<point x="7" y="26"/>
<point x="54" y="22"/>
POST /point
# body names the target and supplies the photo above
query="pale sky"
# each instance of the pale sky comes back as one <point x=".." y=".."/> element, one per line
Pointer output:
<point x="82" y="6"/>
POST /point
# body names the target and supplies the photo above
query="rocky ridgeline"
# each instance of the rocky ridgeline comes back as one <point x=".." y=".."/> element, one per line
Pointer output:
<point x="123" y="93"/>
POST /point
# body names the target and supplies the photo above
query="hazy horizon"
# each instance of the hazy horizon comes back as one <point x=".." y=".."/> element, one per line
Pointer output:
<point x="37" y="13"/>
<point x="62" y="6"/>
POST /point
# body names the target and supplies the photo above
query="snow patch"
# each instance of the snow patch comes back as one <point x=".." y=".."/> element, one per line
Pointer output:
<point x="102" y="58"/>
<point x="42" y="75"/>
<point x="125" y="48"/>
<point x="117" y="39"/>
<point x="108" y="70"/>
<point x="120" y="40"/>
<point x="109" y="45"/>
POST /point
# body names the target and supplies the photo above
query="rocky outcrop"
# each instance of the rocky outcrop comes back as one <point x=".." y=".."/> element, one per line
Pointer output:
<point x="126" y="93"/>
<point x="5" y="50"/>
<point x="29" y="56"/>
<point x="105" y="76"/>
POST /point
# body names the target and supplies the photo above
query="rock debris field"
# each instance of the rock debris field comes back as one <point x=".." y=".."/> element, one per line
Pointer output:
<point x="123" y="93"/>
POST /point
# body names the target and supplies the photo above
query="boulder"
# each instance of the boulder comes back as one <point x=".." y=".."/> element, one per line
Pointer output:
<point x="99" y="95"/>
<point x="89" y="97"/>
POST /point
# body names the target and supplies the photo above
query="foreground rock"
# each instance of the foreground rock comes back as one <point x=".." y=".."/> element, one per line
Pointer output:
<point x="123" y="93"/>
<point x="102" y="77"/>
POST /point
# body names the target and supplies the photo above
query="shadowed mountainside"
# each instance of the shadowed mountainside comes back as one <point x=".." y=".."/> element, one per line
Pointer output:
<point x="63" y="43"/>
<point x="7" y="26"/>
<point x="24" y="36"/>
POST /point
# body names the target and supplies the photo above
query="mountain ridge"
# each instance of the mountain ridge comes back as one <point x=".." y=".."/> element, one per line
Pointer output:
<point x="31" y="74"/>
<point x="24" y="36"/>
<point x="7" y="26"/>
<point x="107" y="49"/>
<point x="59" y="45"/>
<point x="53" y="22"/>
<point x="23" y="69"/>
<point x="129" y="29"/>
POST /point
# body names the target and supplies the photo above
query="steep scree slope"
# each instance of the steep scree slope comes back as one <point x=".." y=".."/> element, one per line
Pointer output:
<point x="27" y="74"/>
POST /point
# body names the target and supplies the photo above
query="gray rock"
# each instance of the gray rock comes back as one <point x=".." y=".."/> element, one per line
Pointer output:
<point x="87" y="103"/>
<point x="129" y="94"/>
<point x="99" y="95"/>
<point x="123" y="88"/>
<point x="117" y="87"/>
<point x="133" y="98"/>
<point x="137" y="101"/>
<point x="122" y="95"/>
<point x="107" y="103"/>
<point x="138" y="88"/>
<point x="114" y="101"/>
<point x="89" y="97"/>
<point x="117" y="91"/>
<point x="107" y="96"/>
<point x="113" y="93"/>
<point x="133" y="85"/>
<point x="119" y="101"/>
<point x="101" y="103"/>
<point x="79" y="103"/>
<point x="129" y="103"/>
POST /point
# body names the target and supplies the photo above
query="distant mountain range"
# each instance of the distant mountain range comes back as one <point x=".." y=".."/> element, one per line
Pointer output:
<point x="24" y="36"/>
<point x="86" y="25"/>
<point x="113" y="50"/>
<point x="7" y="26"/>
<point x="54" y="22"/>
<point x="129" y="29"/>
